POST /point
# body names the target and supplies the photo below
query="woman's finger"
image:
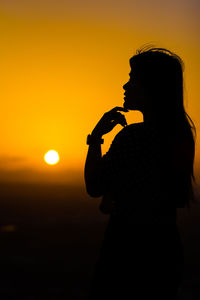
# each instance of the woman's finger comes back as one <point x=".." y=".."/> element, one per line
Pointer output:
<point x="112" y="114"/>
<point x="109" y="120"/>
<point x="116" y="108"/>
<point x="120" y="117"/>
<point x="112" y="120"/>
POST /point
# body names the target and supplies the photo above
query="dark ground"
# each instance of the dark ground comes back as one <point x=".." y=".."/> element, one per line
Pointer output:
<point x="50" y="238"/>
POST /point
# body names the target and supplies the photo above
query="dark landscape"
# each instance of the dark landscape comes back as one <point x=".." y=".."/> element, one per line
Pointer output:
<point x="50" y="240"/>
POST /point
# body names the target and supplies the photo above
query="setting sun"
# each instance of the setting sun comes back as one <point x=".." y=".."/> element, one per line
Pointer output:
<point x="51" y="157"/>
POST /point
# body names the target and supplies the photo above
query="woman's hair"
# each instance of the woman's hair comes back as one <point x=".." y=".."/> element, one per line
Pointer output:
<point x="160" y="72"/>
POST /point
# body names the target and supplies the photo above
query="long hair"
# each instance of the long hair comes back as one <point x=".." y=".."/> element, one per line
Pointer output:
<point x="160" y="72"/>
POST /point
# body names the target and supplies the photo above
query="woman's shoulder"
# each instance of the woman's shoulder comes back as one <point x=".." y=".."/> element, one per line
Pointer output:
<point x="136" y="133"/>
<point x="131" y="129"/>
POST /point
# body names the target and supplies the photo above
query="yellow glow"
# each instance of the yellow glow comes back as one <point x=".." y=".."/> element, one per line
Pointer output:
<point x="63" y="66"/>
<point x="51" y="157"/>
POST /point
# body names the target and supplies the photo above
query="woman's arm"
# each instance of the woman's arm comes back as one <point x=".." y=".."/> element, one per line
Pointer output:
<point x="109" y="120"/>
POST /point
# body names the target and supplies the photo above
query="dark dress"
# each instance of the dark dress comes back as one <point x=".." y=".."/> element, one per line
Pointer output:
<point x="141" y="254"/>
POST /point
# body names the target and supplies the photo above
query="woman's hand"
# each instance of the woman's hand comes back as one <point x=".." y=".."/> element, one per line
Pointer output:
<point x="109" y="120"/>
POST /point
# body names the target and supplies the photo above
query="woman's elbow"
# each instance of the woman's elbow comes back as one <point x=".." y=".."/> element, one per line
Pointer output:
<point x="94" y="185"/>
<point x="94" y="191"/>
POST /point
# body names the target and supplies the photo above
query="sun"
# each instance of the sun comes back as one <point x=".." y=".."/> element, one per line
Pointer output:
<point x="51" y="157"/>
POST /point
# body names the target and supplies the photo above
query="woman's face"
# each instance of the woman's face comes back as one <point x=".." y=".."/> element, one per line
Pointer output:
<point x="134" y="94"/>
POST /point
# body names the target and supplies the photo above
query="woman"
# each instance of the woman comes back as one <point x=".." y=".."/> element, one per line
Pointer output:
<point x="143" y="178"/>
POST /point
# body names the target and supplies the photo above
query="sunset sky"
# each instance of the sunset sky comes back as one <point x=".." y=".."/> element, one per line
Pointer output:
<point x="63" y="65"/>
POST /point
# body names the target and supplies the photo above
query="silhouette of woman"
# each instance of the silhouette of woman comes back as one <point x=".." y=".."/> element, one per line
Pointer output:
<point x="144" y="177"/>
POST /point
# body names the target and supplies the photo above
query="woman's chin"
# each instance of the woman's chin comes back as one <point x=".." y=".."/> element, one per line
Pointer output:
<point x="125" y="105"/>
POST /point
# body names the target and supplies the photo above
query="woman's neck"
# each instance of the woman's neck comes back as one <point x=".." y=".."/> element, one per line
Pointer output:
<point x="148" y="116"/>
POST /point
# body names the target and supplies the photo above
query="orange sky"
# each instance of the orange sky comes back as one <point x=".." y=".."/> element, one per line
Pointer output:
<point x="64" y="64"/>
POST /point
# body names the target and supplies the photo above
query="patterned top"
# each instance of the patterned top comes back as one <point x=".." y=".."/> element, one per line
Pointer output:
<point x="131" y="173"/>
